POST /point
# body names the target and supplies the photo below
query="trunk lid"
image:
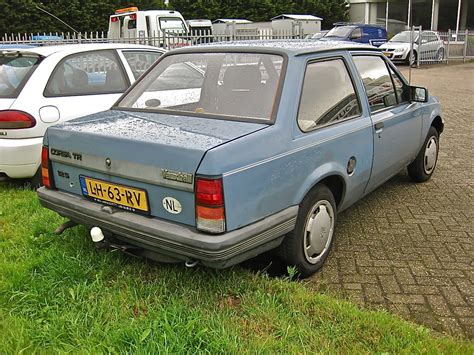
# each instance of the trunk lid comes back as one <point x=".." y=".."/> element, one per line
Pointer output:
<point x="156" y="153"/>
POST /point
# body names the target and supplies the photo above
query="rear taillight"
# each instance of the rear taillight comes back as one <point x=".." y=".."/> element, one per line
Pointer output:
<point x="210" y="213"/>
<point x="114" y="19"/>
<point x="12" y="119"/>
<point x="133" y="17"/>
<point x="45" y="167"/>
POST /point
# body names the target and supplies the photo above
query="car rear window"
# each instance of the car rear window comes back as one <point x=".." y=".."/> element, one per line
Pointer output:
<point x="238" y="85"/>
<point x="87" y="73"/>
<point x="15" y="69"/>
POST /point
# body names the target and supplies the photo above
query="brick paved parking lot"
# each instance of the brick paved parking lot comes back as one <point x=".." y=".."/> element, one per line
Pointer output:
<point x="407" y="247"/>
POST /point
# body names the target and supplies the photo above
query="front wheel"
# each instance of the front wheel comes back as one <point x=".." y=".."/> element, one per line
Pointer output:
<point x="423" y="166"/>
<point x="411" y="59"/>
<point x="308" y="245"/>
<point x="440" y="55"/>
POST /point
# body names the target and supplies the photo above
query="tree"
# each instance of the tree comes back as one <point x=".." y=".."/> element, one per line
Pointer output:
<point x="22" y="16"/>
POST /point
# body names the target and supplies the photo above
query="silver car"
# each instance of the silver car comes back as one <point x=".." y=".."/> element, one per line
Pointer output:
<point x="431" y="47"/>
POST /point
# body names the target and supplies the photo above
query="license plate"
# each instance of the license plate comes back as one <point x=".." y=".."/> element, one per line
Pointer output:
<point x="127" y="198"/>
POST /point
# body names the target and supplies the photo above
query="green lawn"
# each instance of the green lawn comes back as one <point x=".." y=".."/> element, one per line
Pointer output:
<point x="60" y="293"/>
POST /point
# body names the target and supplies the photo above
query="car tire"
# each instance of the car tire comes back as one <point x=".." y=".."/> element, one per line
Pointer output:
<point x="415" y="56"/>
<point x="36" y="181"/>
<point x="421" y="169"/>
<point x="308" y="245"/>
<point x="440" y="55"/>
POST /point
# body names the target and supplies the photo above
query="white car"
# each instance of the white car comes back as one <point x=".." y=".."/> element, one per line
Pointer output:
<point x="42" y="86"/>
<point x="398" y="47"/>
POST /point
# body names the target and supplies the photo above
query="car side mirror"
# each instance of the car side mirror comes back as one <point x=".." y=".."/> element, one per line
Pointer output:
<point x="418" y="94"/>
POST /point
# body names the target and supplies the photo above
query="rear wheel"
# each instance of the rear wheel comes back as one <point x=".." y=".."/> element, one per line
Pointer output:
<point x="308" y="245"/>
<point x="423" y="166"/>
<point x="36" y="181"/>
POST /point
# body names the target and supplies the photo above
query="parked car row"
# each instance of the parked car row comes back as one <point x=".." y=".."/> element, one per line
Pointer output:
<point x="222" y="152"/>
<point x="429" y="46"/>
<point x="42" y="86"/>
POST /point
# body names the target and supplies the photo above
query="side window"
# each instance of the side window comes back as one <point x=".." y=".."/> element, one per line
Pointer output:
<point x="140" y="61"/>
<point x="328" y="95"/>
<point x="90" y="73"/>
<point x="377" y="82"/>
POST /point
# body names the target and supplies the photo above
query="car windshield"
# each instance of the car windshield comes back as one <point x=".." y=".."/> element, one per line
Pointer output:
<point x="15" y="68"/>
<point x="209" y="84"/>
<point x="404" y="37"/>
<point x="340" y="31"/>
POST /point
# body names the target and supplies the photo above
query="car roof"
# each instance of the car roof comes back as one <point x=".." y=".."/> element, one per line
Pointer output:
<point x="289" y="47"/>
<point x="76" y="48"/>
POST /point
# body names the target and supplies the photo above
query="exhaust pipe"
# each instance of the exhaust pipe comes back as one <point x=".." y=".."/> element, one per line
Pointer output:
<point x="191" y="263"/>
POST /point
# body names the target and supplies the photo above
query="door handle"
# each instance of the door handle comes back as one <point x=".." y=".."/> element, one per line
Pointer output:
<point x="378" y="126"/>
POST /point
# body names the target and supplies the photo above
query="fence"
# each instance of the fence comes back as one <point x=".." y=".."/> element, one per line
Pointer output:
<point x="166" y="40"/>
<point x="429" y="48"/>
<point x="451" y="46"/>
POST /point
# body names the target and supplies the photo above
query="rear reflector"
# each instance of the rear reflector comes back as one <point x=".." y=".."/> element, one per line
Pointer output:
<point x="12" y="119"/>
<point x="210" y="212"/>
<point x="45" y="167"/>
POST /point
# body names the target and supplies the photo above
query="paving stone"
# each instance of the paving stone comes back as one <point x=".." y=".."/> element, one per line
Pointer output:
<point x="409" y="247"/>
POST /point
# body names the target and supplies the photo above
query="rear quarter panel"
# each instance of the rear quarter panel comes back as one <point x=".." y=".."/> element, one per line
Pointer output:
<point x="274" y="168"/>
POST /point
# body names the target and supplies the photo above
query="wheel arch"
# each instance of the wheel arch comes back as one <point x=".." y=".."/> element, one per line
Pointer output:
<point x="438" y="123"/>
<point x="334" y="182"/>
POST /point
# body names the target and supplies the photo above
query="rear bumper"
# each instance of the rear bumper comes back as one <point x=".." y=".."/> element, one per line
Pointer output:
<point x="20" y="158"/>
<point x="174" y="240"/>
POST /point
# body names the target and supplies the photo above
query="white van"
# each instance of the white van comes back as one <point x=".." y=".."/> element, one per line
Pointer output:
<point x="130" y="23"/>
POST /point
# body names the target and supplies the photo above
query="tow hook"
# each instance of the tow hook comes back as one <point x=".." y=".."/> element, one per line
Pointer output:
<point x="97" y="235"/>
<point x="64" y="226"/>
<point x="191" y="263"/>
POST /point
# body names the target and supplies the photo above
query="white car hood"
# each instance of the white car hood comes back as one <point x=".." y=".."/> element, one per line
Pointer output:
<point x="395" y="45"/>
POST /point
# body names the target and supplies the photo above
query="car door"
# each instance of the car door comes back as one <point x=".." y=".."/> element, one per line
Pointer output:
<point x="397" y="123"/>
<point x="334" y="132"/>
<point x="84" y="83"/>
<point x="138" y="61"/>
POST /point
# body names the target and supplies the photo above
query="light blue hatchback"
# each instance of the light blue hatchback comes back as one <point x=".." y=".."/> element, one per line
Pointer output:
<point x="224" y="151"/>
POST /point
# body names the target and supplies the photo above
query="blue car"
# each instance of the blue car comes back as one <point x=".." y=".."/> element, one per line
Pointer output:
<point x="359" y="33"/>
<point x="222" y="152"/>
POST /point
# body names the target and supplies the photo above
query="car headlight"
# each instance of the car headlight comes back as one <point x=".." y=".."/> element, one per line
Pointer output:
<point x="399" y="50"/>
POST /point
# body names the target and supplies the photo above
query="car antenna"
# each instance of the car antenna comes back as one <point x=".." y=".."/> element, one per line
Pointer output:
<point x="57" y="18"/>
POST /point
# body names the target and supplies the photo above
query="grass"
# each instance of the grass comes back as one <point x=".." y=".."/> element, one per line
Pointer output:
<point x="58" y="293"/>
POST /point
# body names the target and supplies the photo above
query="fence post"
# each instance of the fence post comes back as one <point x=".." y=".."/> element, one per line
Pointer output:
<point x="466" y="38"/>
<point x="449" y="42"/>
<point x="419" y="48"/>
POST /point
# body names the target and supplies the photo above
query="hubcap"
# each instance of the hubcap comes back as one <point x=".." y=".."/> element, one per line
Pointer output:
<point x="431" y="153"/>
<point x="318" y="232"/>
